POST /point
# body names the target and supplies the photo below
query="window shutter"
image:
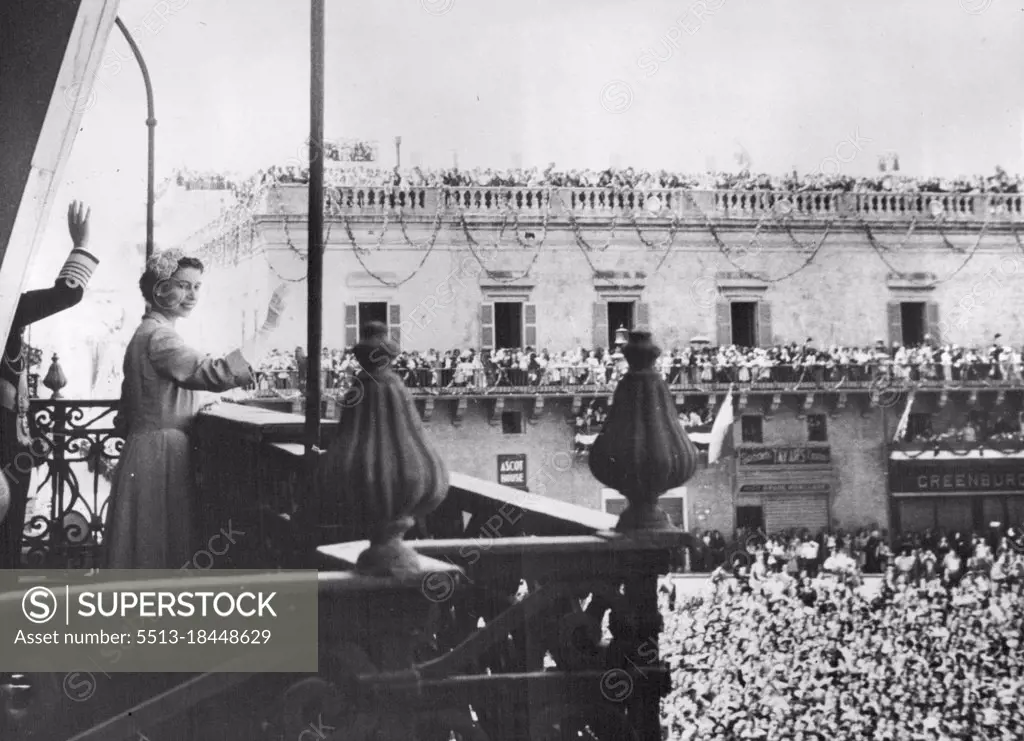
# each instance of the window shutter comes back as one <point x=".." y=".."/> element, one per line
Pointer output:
<point x="724" y="319"/>
<point x="487" y="326"/>
<point x="643" y="316"/>
<point x="765" y="338"/>
<point x="932" y="327"/>
<point x="895" y="323"/>
<point x="351" y="325"/>
<point x="600" y="325"/>
<point x="395" y="323"/>
<point x="530" y="325"/>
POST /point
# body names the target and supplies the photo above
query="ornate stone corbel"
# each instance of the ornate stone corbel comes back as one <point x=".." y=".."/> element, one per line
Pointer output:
<point x="808" y="403"/>
<point x="537" y="411"/>
<point x="680" y="402"/>
<point x="1001" y="397"/>
<point x="841" y="401"/>
<point x="497" y="410"/>
<point x="776" y="403"/>
<point x="973" y="398"/>
<point x="943" y="399"/>
<point x="577" y="404"/>
<point x="428" y="408"/>
<point x="460" y="411"/>
<point x="743" y="401"/>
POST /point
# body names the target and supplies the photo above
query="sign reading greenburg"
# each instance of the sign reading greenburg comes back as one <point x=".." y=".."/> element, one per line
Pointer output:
<point x="158" y="621"/>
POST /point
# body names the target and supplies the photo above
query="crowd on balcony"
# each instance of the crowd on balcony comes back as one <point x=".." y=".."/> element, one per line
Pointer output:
<point x="629" y="178"/>
<point x="784" y="651"/>
<point x="975" y="429"/>
<point x="695" y="365"/>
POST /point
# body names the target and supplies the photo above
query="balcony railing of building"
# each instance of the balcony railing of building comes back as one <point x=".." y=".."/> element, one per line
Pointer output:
<point x="502" y="639"/>
<point x="685" y="205"/>
<point x="588" y="380"/>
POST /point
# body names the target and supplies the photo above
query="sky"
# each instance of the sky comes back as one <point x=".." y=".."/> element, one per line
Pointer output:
<point x="815" y="84"/>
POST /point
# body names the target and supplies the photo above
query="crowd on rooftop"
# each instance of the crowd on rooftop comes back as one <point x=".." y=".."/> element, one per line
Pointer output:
<point x="623" y="178"/>
<point x="793" y="644"/>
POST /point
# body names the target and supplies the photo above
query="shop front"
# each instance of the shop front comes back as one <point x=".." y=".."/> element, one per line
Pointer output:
<point x="954" y="491"/>
<point x="784" y="488"/>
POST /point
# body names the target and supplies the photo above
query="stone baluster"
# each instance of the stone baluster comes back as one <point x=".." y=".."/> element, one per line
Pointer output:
<point x="55" y="379"/>
<point x="642" y="452"/>
<point x="381" y="473"/>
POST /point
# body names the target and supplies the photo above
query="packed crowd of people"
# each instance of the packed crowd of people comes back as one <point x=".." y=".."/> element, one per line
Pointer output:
<point x="621" y="178"/>
<point x="790" y="646"/>
<point x="692" y="365"/>
<point x="868" y="550"/>
<point x="637" y="179"/>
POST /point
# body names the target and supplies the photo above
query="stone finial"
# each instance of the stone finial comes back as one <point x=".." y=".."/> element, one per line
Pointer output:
<point x="55" y="379"/>
<point x="381" y="472"/>
<point x="642" y="450"/>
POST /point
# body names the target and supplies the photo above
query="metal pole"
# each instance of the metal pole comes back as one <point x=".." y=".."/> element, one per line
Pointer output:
<point x="314" y="278"/>
<point x="151" y="124"/>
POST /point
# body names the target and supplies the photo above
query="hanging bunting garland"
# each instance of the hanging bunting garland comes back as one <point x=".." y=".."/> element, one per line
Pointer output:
<point x="883" y="247"/>
<point x="577" y="232"/>
<point x="747" y="274"/>
<point x="723" y="248"/>
<point x="905" y="276"/>
<point x="434" y="229"/>
<point x="545" y="217"/>
<point x="673" y="229"/>
<point x="472" y="244"/>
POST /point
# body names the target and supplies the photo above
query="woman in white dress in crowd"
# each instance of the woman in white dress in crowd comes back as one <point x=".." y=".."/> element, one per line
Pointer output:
<point x="150" y="514"/>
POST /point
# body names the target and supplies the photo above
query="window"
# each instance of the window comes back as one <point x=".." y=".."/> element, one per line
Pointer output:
<point x="750" y="518"/>
<point x="919" y="425"/>
<point x="512" y="423"/>
<point x="912" y="320"/>
<point x="508" y="324"/>
<point x="817" y="428"/>
<point x="373" y="311"/>
<point x="620" y="314"/>
<point x="744" y="323"/>
<point x="752" y="428"/>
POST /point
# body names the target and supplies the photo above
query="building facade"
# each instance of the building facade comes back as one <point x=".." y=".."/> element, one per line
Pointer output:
<point x="559" y="270"/>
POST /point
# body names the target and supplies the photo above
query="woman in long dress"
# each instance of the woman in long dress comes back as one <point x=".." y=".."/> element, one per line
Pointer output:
<point x="152" y="495"/>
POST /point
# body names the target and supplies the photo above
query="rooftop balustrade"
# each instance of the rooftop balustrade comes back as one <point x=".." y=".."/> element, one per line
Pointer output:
<point x="692" y="206"/>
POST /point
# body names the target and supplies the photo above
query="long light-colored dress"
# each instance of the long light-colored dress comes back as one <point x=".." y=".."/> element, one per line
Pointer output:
<point x="150" y="515"/>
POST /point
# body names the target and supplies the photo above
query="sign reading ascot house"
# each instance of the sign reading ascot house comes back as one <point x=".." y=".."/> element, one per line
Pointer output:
<point x="512" y="470"/>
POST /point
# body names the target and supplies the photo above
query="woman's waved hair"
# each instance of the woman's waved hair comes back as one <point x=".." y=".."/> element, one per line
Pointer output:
<point x="150" y="279"/>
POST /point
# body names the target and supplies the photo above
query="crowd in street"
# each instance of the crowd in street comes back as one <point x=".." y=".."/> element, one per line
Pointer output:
<point x="621" y="178"/>
<point x="868" y="551"/>
<point x="793" y="644"/>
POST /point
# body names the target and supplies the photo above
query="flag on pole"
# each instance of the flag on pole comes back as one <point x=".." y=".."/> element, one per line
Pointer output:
<point x="721" y="429"/>
<point x="901" y="428"/>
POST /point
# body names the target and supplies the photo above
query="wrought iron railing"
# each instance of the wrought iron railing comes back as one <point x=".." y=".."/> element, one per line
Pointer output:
<point x="73" y="452"/>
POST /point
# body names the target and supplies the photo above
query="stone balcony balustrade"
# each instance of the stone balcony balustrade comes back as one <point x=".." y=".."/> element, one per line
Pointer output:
<point x="687" y="206"/>
<point x="491" y="629"/>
